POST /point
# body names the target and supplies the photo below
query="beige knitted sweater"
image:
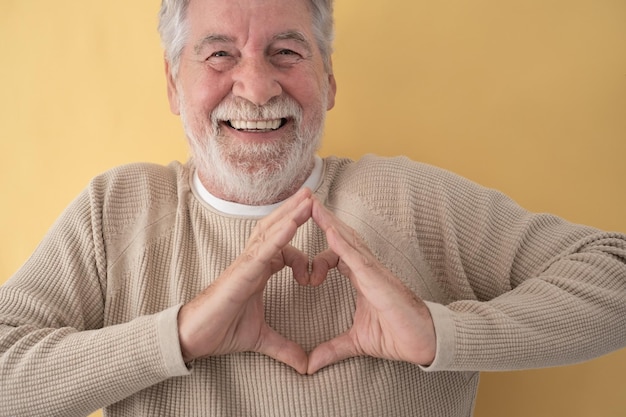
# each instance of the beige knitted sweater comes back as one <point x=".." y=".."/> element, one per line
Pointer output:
<point x="90" y="319"/>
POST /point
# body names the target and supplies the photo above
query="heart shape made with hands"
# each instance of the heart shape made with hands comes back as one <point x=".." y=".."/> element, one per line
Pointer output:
<point x="390" y="321"/>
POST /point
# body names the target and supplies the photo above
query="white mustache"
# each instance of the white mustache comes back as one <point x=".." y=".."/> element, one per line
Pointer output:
<point x="281" y="107"/>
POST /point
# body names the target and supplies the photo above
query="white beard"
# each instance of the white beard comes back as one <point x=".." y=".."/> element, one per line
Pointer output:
<point x="254" y="174"/>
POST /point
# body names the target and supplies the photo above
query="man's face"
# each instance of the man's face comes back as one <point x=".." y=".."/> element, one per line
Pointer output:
<point x="252" y="91"/>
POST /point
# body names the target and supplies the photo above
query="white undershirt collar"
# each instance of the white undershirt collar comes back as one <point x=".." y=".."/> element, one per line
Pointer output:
<point x="236" y="209"/>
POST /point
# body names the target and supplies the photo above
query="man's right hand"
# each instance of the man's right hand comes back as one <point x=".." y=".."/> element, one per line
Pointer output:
<point x="228" y="316"/>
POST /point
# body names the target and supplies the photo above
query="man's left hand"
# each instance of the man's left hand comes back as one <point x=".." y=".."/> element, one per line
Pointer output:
<point x="390" y="321"/>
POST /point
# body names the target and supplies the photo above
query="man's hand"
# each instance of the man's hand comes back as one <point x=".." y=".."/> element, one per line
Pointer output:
<point x="390" y="322"/>
<point x="228" y="316"/>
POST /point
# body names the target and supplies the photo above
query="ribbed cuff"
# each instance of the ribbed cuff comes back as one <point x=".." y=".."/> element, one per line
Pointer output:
<point x="169" y="342"/>
<point x="445" y="333"/>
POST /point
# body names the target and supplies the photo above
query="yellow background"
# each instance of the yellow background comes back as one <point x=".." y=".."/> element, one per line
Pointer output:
<point x="525" y="96"/>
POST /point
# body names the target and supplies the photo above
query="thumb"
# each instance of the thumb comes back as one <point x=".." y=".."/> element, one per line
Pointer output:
<point x="283" y="350"/>
<point x="330" y="352"/>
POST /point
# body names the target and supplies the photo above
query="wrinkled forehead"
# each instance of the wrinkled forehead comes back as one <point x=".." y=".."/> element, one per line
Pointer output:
<point x="221" y="15"/>
<point x="249" y="23"/>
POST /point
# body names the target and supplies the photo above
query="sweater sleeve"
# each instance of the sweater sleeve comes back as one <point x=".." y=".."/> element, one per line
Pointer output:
<point x="542" y="291"/>
<point x="56" y="358"/>
<point x="507" y="289"/>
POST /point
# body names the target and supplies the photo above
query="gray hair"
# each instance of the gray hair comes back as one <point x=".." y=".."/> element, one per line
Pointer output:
<point x="174" y="29"/>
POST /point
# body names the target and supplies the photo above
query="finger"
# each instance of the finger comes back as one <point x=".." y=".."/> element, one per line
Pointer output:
<point x="272" y="233"/>
<point x="354" y="255"/>
<point x="299" y="263"/>
<point x="356" y="260"/>
<point x="263" y="253"/>
<point x="328" y="221"/>
<point x="322" y="263"/>
<point x="289" y="209"/>
<point x="324" y="217"/>
<point x="284" y="350"/>
<point x="331" y="352"/>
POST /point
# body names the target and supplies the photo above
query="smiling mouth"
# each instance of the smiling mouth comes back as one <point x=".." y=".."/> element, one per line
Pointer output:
<point x="256" y="125"/>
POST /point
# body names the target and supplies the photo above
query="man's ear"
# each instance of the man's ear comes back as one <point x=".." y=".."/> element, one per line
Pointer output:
<point x="332" y="88"/>
<point x="332" y="91"/>
<point x="172" y="89"/>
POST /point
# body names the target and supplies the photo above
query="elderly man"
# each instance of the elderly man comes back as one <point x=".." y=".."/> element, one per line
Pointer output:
<point x="259" y="279"/>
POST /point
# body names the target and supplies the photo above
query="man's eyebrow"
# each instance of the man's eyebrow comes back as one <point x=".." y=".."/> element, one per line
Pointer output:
<point x="295" y="36"/>
<point x="209" y="39"/>
<point x="287" y="35"/>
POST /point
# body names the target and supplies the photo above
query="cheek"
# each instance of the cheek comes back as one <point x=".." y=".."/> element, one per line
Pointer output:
<point x="202" y="102"/>
<point x="204" y="93"/>
<point x="309" y="99"/>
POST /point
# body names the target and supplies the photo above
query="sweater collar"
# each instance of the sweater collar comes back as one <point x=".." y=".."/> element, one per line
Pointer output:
<point x="236" y="209"/>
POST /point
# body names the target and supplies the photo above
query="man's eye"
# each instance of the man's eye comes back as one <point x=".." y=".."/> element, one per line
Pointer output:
<point x="286" y="57"/>
<point x="219" y="54"/>
<point x="221" y="60"/>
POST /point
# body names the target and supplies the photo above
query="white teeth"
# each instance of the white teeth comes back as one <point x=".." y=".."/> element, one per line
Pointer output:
<point x="255" y="125"/>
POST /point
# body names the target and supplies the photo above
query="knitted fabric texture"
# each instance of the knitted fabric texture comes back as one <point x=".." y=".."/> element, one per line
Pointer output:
<point x="90" y="320"/>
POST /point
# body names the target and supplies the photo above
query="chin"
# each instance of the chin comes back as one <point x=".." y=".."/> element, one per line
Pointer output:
<point x="255" y="183"/>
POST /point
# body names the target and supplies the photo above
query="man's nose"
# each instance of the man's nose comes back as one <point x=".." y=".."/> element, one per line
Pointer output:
<point x="255" y="80"/>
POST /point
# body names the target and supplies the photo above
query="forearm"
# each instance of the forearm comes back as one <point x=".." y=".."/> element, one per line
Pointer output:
<point x="573" y="311"/>
<point x="65" y="372"/>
